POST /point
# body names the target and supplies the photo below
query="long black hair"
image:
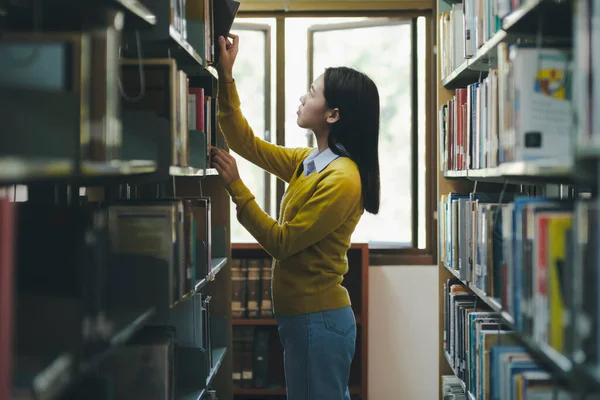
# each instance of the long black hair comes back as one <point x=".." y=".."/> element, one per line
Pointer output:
<point x="356" y="97"/>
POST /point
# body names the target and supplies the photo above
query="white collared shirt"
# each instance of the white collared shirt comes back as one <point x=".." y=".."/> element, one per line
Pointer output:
<point x="316" y="161"/>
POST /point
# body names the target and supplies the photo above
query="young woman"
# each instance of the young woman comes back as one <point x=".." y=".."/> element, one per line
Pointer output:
<point x="329" y="189"/>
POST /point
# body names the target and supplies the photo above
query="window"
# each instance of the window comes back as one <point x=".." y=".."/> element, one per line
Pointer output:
<point x="393" y="52"/>
<point x="253" y="79"/>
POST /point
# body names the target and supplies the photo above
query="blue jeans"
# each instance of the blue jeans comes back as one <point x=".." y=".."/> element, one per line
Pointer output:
<point x="318" y="350"/>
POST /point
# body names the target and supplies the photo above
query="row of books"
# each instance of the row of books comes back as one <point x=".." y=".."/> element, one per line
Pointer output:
<point x="251" y="288"/>
<point x="91" y="265"/>
<point x="466" y="28"/>
<point x="145" y="253"/>
<point x="520" y="112"/>
<point x="251" y="356"/>
<point x="190" y="113"/>
<point x="74" y="59"/>
<point x="201" y="21"/>
<point x="88" y="82"/>
<point x="485" y="353"/>
<point x="156" y="362"/>
<point x="537" y="256"/>
<point x="452" y="388"/>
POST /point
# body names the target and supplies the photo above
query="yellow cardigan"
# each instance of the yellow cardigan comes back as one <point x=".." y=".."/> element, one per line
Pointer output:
<point x="318" y="215"/>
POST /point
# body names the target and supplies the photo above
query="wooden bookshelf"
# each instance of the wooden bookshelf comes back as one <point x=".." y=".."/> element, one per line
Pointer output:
<point x="356" y="281"/>
<point x="553" y="178"/>
<point x="71" y="318"/>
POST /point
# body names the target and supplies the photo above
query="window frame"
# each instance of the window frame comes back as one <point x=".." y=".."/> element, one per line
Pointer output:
<point x="266" y="30"/>
<point x="380" y="254"/>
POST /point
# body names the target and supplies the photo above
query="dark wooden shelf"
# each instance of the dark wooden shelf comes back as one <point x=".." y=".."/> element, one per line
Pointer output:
<point x="169" y="43"/>
<point x="62" y="374"/>
<point x="356" y="282"/>
<point x="216" y="267"/>
<point x="138" y="10"/>
<point x="520" y="172"/>
<point x="555" y="16"/>
<point x="218" y="355"/>
<point x="189" y="171"/>
<point x="195" y="395"/>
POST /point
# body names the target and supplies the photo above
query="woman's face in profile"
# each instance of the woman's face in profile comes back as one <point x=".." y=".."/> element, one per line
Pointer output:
<point x="312" y="112"/>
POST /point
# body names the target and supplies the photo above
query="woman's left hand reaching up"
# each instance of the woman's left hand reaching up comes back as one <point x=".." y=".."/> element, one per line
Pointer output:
<point x="225" y="165"/>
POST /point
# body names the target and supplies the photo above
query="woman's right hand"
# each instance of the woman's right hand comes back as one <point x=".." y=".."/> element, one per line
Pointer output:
<point x="227" y="54"/>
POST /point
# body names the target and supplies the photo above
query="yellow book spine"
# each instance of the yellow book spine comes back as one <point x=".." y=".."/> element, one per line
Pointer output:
<point x="557" y="254"/>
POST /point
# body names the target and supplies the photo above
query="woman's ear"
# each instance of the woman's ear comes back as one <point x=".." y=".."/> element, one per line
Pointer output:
<point x="334" y="116"/>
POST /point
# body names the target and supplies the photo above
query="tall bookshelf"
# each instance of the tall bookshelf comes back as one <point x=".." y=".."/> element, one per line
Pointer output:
<point x="258" y="354"/>
<point x="532" y="273"/>
<point x="115" y="267"/>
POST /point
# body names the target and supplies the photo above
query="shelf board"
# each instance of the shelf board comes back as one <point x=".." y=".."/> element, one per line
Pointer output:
<point x="555" y="15"/>
<point x="189" y="171"/>
<point x="535" y="169"/>
<point x="462" y="76"/>
<point x="462" y="383"/>
<point x="52" y="381"/>
<point x="455" y="174"/>
<point x="509" y="319"/>
<point x="128" y="323"/>
<point x="512" y="19"/>
<point x="200" y="284"/>
<point x="168" y="42"/>
<point x="476" y="68"/>
<point x="218" y="264"/>
<point x="590" y="375"/>
<point x="487" y="56"/>
<point x="549" y="359"/>
<point x="588" y="150"/>
<point x="62" y="373"/>
<point x="449" y="361"/>
<point x="192" y="55"/>
<point x="490" y="301"/>
<point x="16" y="169"/>
<point x="118" y="168"/>
<point x="139" y="10"/>
<point x="212" y="71"/>
<point x="454" y="272"/>
<point x="519" y="172"/>
<point x="195" y="395"/>
<point x="22" y="170"/>
<point x="218" y="355"/>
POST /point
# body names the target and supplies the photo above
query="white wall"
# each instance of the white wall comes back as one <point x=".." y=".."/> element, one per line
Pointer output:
<point x="403" y="333"/>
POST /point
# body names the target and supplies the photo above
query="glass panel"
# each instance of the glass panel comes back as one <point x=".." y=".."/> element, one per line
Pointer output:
<point x="249" y="73"/>
<point x="296" y="73"/>
<point x="384" y="53"/>
<point x="422" y="132"/>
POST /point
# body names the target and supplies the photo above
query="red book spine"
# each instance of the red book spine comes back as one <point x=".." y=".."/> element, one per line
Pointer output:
<point x="7" y="211"/>
<point x="461" y="102"/>
<point x="199" y="92"/>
